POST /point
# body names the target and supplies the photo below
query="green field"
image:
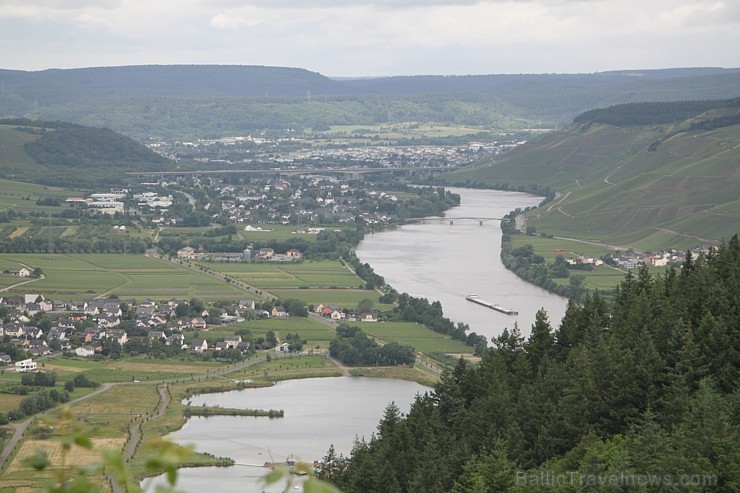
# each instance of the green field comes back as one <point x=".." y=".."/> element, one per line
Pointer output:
<point x="12" y="153"/>
<point x="423" y="339"/>
<point x="21" y="197"/>
<point x="275" y="275"/>
<point x="343" y="298"/>
<point x="315" y="333"/>
<point x="277" y="232"/>
<point x="80" y="276"/>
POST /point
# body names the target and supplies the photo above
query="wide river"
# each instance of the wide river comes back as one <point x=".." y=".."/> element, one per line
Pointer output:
<point x="435" y="260"/>
<point x="445" y="262"/>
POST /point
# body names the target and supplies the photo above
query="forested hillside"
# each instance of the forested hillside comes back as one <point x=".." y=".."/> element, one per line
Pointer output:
<point x="643" y="386"/>
<point x="648" y="176"/>
<point x="55" y="153"/>
<point x="211" y="100"/>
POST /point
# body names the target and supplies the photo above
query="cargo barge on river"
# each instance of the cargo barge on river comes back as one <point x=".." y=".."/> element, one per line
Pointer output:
<point x="475" y="299"/>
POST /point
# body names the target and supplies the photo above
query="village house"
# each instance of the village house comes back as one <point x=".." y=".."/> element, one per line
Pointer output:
<point x="279" y="311"/>
<point x="248" y="304"/>
<point x="85" y="351"/>
<point x="39" y="347"/>
<point x="265" y="253"/>
<point x="14" y="330"/>
<point x="156" y="335"/>
<point x="328" y="310"/>
<point x="186" y="253"/>
<point x="118" y="335"/>
<point x="177" y="340"/>
<point x="199" y="345"/>
<point x="232" y="341"/>
<point x="32" y="298"/>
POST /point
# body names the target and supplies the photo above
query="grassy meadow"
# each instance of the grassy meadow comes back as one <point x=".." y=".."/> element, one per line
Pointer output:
<point x="423" y="339"/>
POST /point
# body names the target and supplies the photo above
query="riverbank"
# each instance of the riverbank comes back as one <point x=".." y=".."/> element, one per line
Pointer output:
<point x="260" y="375"/>
<point x="319" y="412"/>
<point x="443" y="260"/>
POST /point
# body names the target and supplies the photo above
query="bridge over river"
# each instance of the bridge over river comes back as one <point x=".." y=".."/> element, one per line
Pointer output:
<point x="452" y="220"/>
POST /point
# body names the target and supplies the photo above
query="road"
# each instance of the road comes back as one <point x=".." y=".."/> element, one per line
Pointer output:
<point x="20" y="428"/>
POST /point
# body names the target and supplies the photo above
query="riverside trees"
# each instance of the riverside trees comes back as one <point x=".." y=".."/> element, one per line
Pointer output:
<point x="645" y="384"/>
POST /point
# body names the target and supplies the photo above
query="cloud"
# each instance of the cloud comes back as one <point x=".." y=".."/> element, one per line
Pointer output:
<point x="363" y="37"/>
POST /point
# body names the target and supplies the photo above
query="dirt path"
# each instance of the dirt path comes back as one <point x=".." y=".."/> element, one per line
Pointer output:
<point x="345" y="370"/>
<point x="557" y="201"/>
<point x="606" y="178"/>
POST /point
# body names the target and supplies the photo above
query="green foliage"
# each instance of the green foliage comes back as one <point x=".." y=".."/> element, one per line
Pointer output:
<point x="217" y="100"/>
<point x="41" y="401"/>
<point x="80" y="147"/>
<point x="420" y="310"/>
<point x="353" y="347"/>
<point x="81" y="380"/>
<point x="645" y="384"/>
<point x="652" y="113"/>
<point x="39" y="379"/>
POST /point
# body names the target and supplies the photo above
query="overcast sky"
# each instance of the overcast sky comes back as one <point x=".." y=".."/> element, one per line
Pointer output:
<point x="381" y="37"/>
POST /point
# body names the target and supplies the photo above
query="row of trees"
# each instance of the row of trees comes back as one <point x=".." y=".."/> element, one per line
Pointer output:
<point x="644" y="384"/>
<point x="40" y="244"/>
<point x="353" y="347"/>
<point x="421" y="311"/>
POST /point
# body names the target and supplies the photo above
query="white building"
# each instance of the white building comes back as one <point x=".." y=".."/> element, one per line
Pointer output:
<point x="85" y="351"/>
<point x="25" y="366"/>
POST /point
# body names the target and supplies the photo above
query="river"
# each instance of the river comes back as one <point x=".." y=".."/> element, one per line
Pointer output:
<point x="434" y="260"/>
<point x="445" y="262"/>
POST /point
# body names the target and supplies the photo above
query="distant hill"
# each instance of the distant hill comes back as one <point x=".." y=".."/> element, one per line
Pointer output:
<point x="60" y="153"/>
<point x="208" y="100"/>
<point x="672" y="184"/>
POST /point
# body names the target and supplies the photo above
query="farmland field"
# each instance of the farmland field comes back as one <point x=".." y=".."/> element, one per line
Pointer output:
<point x="267" y="276"/>
<point x="416" y="335"/>
<point x="127" y="369"/>
<point x="343" y="298"/>
<point x="76" y="455"/>
<point x="315" y="333"/>
<point x="80" y="276"/>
